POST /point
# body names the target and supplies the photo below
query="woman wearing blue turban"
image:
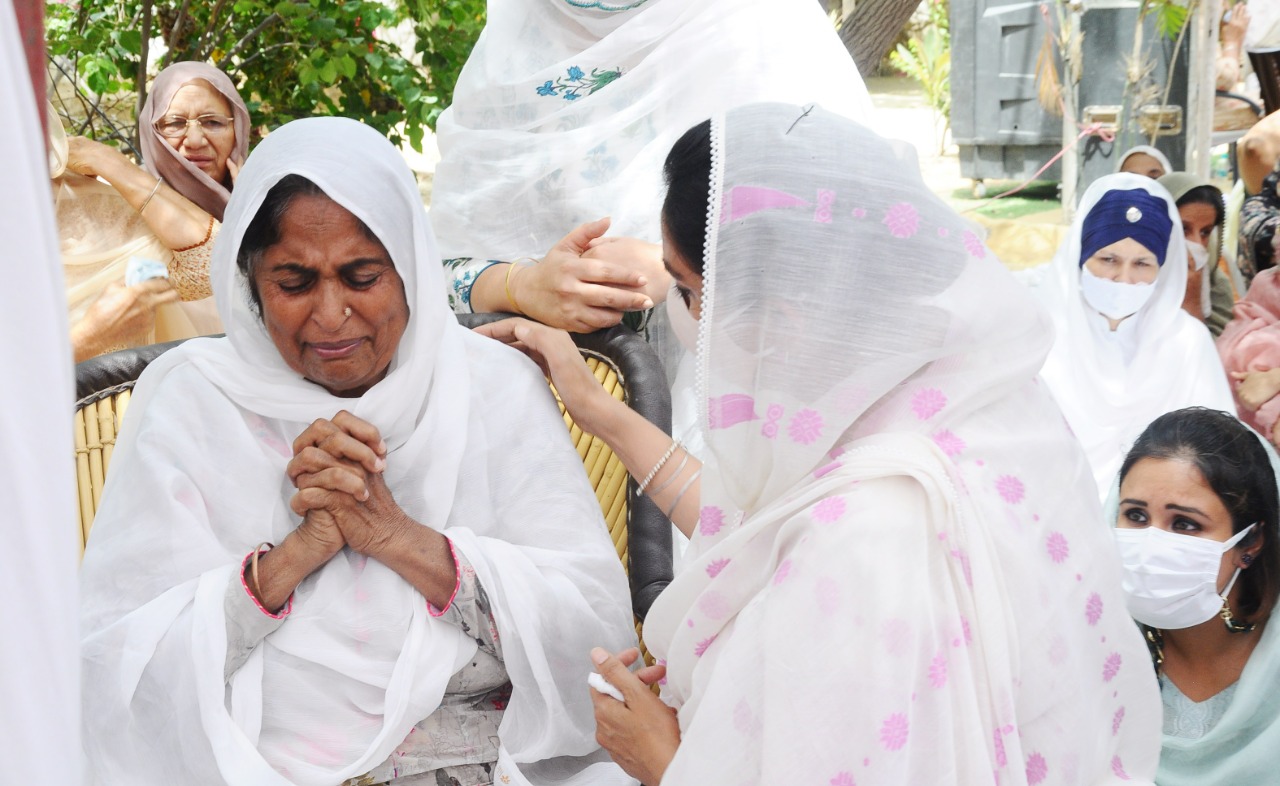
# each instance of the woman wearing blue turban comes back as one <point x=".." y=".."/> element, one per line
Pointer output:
<point x="1125" y="351"/>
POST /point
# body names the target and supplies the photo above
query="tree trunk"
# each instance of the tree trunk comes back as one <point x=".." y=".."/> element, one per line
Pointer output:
<point x="871" y="29"/>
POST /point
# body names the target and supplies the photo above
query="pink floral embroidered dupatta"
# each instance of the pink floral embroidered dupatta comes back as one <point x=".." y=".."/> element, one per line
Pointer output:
<point x="901" y="573"/>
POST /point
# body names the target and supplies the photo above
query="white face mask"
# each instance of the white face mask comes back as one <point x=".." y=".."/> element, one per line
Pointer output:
<point x="1199" y="254"/>
<point x="682" y="322"/>
<point x="1171" y="580"/>
<point x="1113" y="299"/>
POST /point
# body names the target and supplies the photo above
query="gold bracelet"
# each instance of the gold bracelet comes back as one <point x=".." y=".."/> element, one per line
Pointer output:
<point x="506" y="284"/>
<point x="147" y="201"/>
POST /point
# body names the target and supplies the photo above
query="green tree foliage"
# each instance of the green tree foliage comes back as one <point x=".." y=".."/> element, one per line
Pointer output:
<point x="289" y="58"/>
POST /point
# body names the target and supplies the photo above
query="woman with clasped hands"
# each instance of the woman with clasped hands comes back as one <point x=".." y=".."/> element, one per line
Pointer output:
<point x="422" y="613"/>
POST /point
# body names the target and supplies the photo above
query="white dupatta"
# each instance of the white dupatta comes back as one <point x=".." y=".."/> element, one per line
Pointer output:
<point x="477" y="450"/>
<point x="1111" y="385"/>
<point x="898" y="574"/>
<point x="566" y="109"/>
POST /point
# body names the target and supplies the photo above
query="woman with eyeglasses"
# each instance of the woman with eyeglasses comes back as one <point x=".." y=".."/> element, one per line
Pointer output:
<point x="194" y="134"/>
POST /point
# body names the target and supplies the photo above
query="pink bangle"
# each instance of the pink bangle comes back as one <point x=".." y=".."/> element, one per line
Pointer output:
<point x="288" y="604"/>
<point x="457" y="584"/>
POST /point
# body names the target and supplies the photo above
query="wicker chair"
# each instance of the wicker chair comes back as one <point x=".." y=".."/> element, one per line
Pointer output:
<point x="621" y="360"/>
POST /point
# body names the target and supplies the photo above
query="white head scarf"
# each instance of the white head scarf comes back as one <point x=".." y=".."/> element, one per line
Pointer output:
<point x="198" y="479"/>
<point x="898" y="574"/>
<point x="1111" y="384"/>
<point x="566" y="109"/>
<point x="1145" y="150"/>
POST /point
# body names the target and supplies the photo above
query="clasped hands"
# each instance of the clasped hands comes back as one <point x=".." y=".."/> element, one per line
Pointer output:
<point x="342" y="497"/>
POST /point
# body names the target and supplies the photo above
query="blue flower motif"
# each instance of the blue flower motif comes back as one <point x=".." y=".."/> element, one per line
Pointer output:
<point x="570" y="96"/>
<point x="575" y="72"/>
<point x="547" y="89"/>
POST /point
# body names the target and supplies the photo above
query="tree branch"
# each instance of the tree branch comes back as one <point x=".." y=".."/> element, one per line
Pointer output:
<point x="143" y="56"/>
<point x="249" y="36"/>
<point x="204" y="47"/>
<point x="176" y="32"/>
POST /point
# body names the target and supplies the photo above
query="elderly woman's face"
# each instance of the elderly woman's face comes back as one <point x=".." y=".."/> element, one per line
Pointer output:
<point x="332" y="301"/>
<point x="206" y="148"/>
<point x="1126" y="261"/>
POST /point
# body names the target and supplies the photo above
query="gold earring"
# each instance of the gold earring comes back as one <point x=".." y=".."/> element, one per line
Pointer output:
<point x="1230" y="622"/>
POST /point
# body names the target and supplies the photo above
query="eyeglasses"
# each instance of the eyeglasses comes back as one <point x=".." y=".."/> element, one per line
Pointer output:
<point x="173" y="126"/>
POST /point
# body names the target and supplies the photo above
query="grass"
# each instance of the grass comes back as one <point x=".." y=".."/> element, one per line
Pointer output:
<point x="1037" y="197"/>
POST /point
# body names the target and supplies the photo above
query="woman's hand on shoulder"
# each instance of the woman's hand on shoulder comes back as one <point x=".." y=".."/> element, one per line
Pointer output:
<point x="641" y="733"/>
<point x="555" y="353"/>
<point x="1255" y="388"/>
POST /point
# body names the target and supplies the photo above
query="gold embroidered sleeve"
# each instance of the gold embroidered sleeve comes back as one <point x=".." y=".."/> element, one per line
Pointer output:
<point x="189" y="270"/>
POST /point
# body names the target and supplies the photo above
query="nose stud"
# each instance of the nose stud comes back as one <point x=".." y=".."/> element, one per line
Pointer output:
<point x="347" y="311"/>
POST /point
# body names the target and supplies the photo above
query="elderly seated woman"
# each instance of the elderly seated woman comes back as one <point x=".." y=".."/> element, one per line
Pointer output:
<point x="194" y="133"/>
<point x="441" y="566"/>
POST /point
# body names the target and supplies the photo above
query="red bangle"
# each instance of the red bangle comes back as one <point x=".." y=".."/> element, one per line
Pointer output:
<point x="457" y="584"/>
<point x="288" y="604"/>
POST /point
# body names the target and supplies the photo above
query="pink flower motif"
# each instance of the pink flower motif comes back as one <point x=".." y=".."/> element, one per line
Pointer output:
<point x="968" y="632"/>
<point x="938" y="671"/>
<point x="1117" y="768"/>
<point x="714" y="567"/>
<point x="1093" y="608"/>
<point x="1116" y="720"/>
<point x="943" y="231"/>
<point x="902" y="219"/>
<point x="828" y="591"/>
<point x="859" y="212"/>
<point x="771" y="417"/>
<point x="701" y="648"/>
<point x="826" y="198"/>
<point x="997" y="737"/>
<point x="784" y="570"/>
<point x="714" y="605"/>
<point x="843" y="778"/>
<point x="710" y="520"/>
<point x="1111" y="667"/>
<point x="927" y="403"/>
<point x="806" y="426"/>
<point x="1010" y="489"/>
<point x="1056" y="544"/>
<point x="1037" y="769"/>
<point x="948" y="443"/>
<point x="973" y="244"/>
<point x="893" y="732"/>
<point x="829" y="509"/>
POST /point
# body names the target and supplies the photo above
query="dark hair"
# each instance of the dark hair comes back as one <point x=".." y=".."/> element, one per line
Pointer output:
<point x="1233" y="462"/>
<point x="1206" y="195"/>
<point x="264" y="230"/>
<point x="684" y="212"/>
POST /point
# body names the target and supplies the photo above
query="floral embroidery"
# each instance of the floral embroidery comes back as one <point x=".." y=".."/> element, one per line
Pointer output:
<point x="973" y="245"/>
<point x="1116" y="720"/>
<point x="893" y="732"/>
<point x="599" y="165"/>
<point x="1037" y="769"/>
<point x="829" y="509"/>
<point x="1057" y="547"/>
<point x="859" y="212"/>
<point x="826" y="198"/>
<point x="784" y="570"/>
<point x="1111" y="668"/>
<point x="1093" y="609"/>
<point x="1010" y="488"/>
<point x="714" y="606"/>
<point x="1117" y="768"/>
<point x="843" y="778"/>
<point x="714" y="568"/>
<point x="771" y="418"/>
<point x="576" y="83"/>
<point x="949" y="443"/>
<point x="730" y="410"/>
<point x="703" y="646"/>
<point x="805" y="427"/>
<point x="943" y="231"/>
<point x="902" y="219"/>
<point x="710" y="520"/>
<point x="927" y="403"/>
<point x="938" y="671"/>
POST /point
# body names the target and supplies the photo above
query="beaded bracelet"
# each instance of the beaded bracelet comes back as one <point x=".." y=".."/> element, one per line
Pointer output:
<point x="649" y="478"/>
<point x="654" y="492"/>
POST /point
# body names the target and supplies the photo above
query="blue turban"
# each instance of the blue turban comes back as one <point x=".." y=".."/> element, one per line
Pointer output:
<point x="1135" y="213"/>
